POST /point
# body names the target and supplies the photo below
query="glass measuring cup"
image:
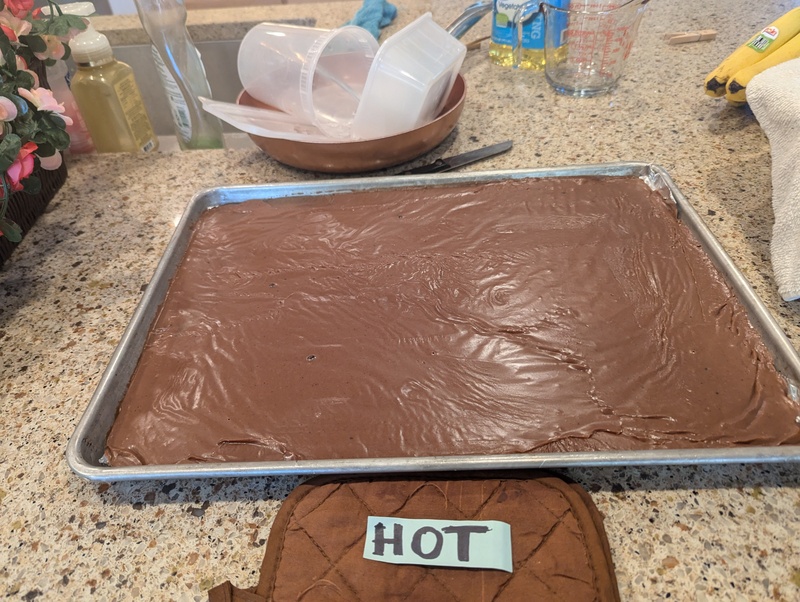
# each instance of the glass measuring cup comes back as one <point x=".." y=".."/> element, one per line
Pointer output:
<point x="587" y="57"/>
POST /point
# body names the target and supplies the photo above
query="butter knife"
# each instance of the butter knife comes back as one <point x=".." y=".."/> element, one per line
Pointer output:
<point x="455" y="161"/>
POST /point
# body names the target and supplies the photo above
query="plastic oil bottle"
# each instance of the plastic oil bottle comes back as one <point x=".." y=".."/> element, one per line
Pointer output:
<point x="182" y="73"/>
<point x="108" y="97"/>
<point x="513" y="45"/>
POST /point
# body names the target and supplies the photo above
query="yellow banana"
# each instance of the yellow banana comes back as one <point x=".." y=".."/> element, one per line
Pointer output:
<point x="735" y="89"/>
<point x="761" y="45"/>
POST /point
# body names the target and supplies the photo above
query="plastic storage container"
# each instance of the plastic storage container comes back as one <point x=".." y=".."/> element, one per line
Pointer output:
<point x="338" y="84"/>
<point x="316" y="75"/>
<point x="183" y="76"/>
<point x="409" y="80"/>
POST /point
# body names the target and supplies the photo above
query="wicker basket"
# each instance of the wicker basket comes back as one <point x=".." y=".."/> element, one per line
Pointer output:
<point x="25" y="208"/>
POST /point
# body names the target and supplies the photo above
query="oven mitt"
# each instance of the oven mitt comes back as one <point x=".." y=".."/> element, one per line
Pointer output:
<point x="315" y="547"/>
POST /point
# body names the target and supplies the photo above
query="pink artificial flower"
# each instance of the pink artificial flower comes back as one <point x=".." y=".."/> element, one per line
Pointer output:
<point x="8" y="110"/>
<point x="51" y="162"/>
<point x="10" y="33"/>
<point x="22" y="166"/>
<point x="55" y="49"/>
<point x="19" y="8"/>
<point x="43" y="99"/>
<point x="12" y="25"/>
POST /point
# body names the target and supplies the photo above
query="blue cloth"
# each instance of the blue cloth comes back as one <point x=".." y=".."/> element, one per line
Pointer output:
<point x="374" y="15"/>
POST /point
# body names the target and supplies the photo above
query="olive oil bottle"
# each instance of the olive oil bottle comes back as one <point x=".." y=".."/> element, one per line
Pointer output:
<point x="520" y="45"/>
<point x="109" y="98"/>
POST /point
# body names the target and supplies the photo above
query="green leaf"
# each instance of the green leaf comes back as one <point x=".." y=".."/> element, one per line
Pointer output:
<point x="25" y="128"/>
<point x="38" y="27"/>
<point x="9" y="55"/>
<point x="32" y="185"/>
<point x="60" y="140"/>
<point x="35" y="43"/>
<point x="10" y="230"/>
<point x="4" y="41"/>
<point x="52" y="129"/>
<point x="60" y="26"/>
<point x="24" y="80"/>
<point x="46" y="149"/>
<point x="25" y="53"/>
<point x="19" y="102"/>
<point x="9" y="149"/>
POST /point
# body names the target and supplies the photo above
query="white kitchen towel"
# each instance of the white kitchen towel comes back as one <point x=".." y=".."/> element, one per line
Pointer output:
<point x="774" y="97"/>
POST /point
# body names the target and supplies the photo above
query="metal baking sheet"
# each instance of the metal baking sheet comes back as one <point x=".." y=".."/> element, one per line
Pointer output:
<point x="86" y="446"/>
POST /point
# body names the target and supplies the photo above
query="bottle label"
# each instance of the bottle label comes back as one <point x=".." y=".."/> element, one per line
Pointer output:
<point x="764" y="39"/>
<point x="135" y="114"/>
<point x="180" y="111"/>
<point x="504" y="25"/>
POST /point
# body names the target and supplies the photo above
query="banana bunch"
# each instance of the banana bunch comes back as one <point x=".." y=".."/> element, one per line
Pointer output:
<point x="776" y="43"/>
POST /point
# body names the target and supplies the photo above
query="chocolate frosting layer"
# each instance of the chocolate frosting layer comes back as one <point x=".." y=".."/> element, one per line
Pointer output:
<point x="556" y="314"/>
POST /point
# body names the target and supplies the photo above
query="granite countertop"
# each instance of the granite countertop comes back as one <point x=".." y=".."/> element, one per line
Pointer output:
<point x="685" y="533"/>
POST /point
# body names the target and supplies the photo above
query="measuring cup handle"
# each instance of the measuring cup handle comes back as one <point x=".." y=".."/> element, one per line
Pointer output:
<point x="529" y="10"/>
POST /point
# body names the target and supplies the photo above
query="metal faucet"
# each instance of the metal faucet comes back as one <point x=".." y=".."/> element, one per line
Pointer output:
<point x="475" y="12"/>
<point x="471" y="15"/>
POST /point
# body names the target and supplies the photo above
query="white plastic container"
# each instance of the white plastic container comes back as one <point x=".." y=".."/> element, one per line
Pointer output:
<point x="316" y="75"/>
<point x="409" y="81"/>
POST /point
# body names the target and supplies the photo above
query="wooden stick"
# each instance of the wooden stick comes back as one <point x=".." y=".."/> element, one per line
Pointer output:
<point x="685" y="37"/>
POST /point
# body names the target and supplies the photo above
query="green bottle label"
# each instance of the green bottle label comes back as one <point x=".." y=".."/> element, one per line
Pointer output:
<point x="763" y="40"/>
<point x="504" y="24"/>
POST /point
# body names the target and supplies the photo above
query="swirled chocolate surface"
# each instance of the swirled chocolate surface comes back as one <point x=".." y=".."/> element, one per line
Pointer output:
<point x="556" y="314"/>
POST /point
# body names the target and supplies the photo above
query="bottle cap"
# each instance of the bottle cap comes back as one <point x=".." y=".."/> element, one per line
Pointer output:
<point x="91" y="48"/>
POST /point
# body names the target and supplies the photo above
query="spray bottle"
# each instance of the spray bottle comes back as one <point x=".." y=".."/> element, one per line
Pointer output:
<point x="182" y="73"/>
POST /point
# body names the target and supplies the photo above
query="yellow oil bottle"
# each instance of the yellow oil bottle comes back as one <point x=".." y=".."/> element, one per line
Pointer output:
<point x="109" y="98"/>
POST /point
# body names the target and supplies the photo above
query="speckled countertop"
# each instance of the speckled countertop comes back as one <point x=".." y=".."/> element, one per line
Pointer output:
<point x="683" y="533"/>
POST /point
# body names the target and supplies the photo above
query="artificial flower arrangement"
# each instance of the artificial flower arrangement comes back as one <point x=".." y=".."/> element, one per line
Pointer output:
<point x="34" y="126"/>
